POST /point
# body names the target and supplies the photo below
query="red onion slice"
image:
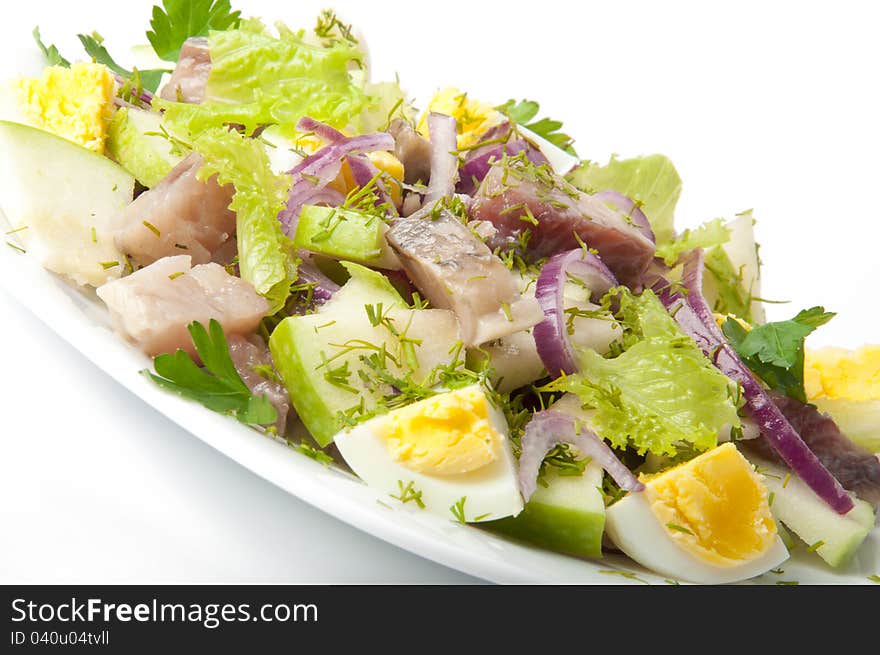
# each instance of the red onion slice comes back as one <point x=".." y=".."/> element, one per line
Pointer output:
<point x="144" y="96"/>
<point x="314" y="173"/>
<point x="323" y="131"/>
<point x="630" y="209"/>
<point x="444" y="157"/>
<point x="477" y="165"/>
<point x="695" y="317"/>
<point x="550" y="427"/>
<point x="551" y="334"/>
<point x="323" y="287"/>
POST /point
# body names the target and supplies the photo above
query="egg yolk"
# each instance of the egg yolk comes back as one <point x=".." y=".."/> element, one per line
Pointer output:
<point x="839" y="373"/>
<point x="472" y="117"/>
<point x="75" y="103"/>
<point x="447" y="434"/>
<point x="714" y="506"/>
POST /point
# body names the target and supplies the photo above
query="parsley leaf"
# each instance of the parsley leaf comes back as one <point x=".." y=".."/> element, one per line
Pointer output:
<point x="53" y="57"/>
<point x="775" y="351"/>
<point x="94" y="46"/>
<point x="217" y="386"/>
<point x="524" y="111"/>
<point x="182" y="19"/>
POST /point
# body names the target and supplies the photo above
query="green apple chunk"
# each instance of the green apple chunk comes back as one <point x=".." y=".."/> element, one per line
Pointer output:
<point x="568" y="515"/>
<point x="345" y="234"/>
<point x="135" y="140"/>
<point x="63" y="201"/>
<point x="332" y="361"/>
<point x="834" y="537"/>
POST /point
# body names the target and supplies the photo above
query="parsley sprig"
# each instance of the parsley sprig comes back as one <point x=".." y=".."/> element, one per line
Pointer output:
<point x="775" y="351"/>
<point x="182" y="19"/>
<point x="217" y="386"/>
<point x="524" y="112"/>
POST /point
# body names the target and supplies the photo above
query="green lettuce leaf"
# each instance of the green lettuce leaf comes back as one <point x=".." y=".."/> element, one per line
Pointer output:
<point x="660" y="394"/>
<point x="710" y="233"/>
<point x="265" y="255"/>
<point x="257" y="79"/>
<point x="651" y="181"/>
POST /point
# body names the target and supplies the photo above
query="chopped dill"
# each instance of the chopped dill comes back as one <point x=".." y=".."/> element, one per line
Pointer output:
<point x="457" y="510"/>
<point x="629" y="575"/>
<point x="679" y="528"/>
<point x="152" y="228"/>
<point x="408" y="493"/>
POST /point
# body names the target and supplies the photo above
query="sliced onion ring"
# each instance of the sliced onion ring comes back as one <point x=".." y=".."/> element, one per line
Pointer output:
<point x="323" y="287"/>
<point x="550" y="427"/>
<point x="695" y="317"/>
<point x="551" y="334"/>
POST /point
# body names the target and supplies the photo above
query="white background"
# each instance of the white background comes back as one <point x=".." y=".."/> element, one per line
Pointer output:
<point x="771" y="106"/>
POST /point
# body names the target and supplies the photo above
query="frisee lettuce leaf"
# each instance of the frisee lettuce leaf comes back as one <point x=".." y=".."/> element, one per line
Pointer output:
<point x="660" y="394"/>
<point x="177" y="20"/>
<point x="265" y="254"/>
<point x="651" y="181"/>
<point x="710" y="233"/>
<point x="257" y="79"/>
<point x="775" y="351"/>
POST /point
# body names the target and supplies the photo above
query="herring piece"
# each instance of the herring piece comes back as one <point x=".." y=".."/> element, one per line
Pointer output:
<point x="153" y="306"/>
<point x="517" y="197"/>
<point x="454" y="270"/>
<point x="413" y="151"/>
<point x="249" y="355"/>
<point x="180" y="215"/>
<point x="189" y="81"/>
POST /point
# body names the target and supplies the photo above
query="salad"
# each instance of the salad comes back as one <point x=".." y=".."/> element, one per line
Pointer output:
<point x="447" y="300"/>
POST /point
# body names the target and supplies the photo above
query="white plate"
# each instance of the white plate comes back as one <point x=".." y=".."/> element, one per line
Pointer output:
<point x="80" y="319"/>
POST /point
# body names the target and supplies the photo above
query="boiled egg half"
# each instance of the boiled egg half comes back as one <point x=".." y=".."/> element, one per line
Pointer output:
<point x="706" y="521"/>
<point x="448" y="454"/>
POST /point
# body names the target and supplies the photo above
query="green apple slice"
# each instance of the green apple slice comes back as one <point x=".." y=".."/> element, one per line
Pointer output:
<point x="63" y="201"/>
<point x="345" y="234"/>
<point x="321" y="356"/>
<point x="135" y="140"/>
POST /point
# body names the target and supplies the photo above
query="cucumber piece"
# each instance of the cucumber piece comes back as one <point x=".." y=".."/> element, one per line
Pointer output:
<point x="345" y="234"/>
<point x="134" y="139"/>
<point x="567" y="516"/>
<point x="811" y="519"/>
<point x="320" y="356"/>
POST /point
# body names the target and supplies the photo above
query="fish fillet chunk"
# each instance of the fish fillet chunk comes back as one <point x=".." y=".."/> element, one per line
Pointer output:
<point x="181" y="215"/>
<point x="153" y="306"/>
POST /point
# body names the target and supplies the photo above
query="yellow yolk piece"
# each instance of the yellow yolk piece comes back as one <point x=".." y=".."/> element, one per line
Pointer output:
<point x="721" y="318"/>
<point x="386" y="163"/>
<point x="473" y="118"/>
<point x="846" y="374"/>
<point x="714" y="506"/>
<point x="448" y="434"/>
<point x="75" y="103"/>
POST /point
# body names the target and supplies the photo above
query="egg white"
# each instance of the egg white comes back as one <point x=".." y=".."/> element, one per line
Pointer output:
<point x="491" y="492"/>
<point x="634" y="528"/>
